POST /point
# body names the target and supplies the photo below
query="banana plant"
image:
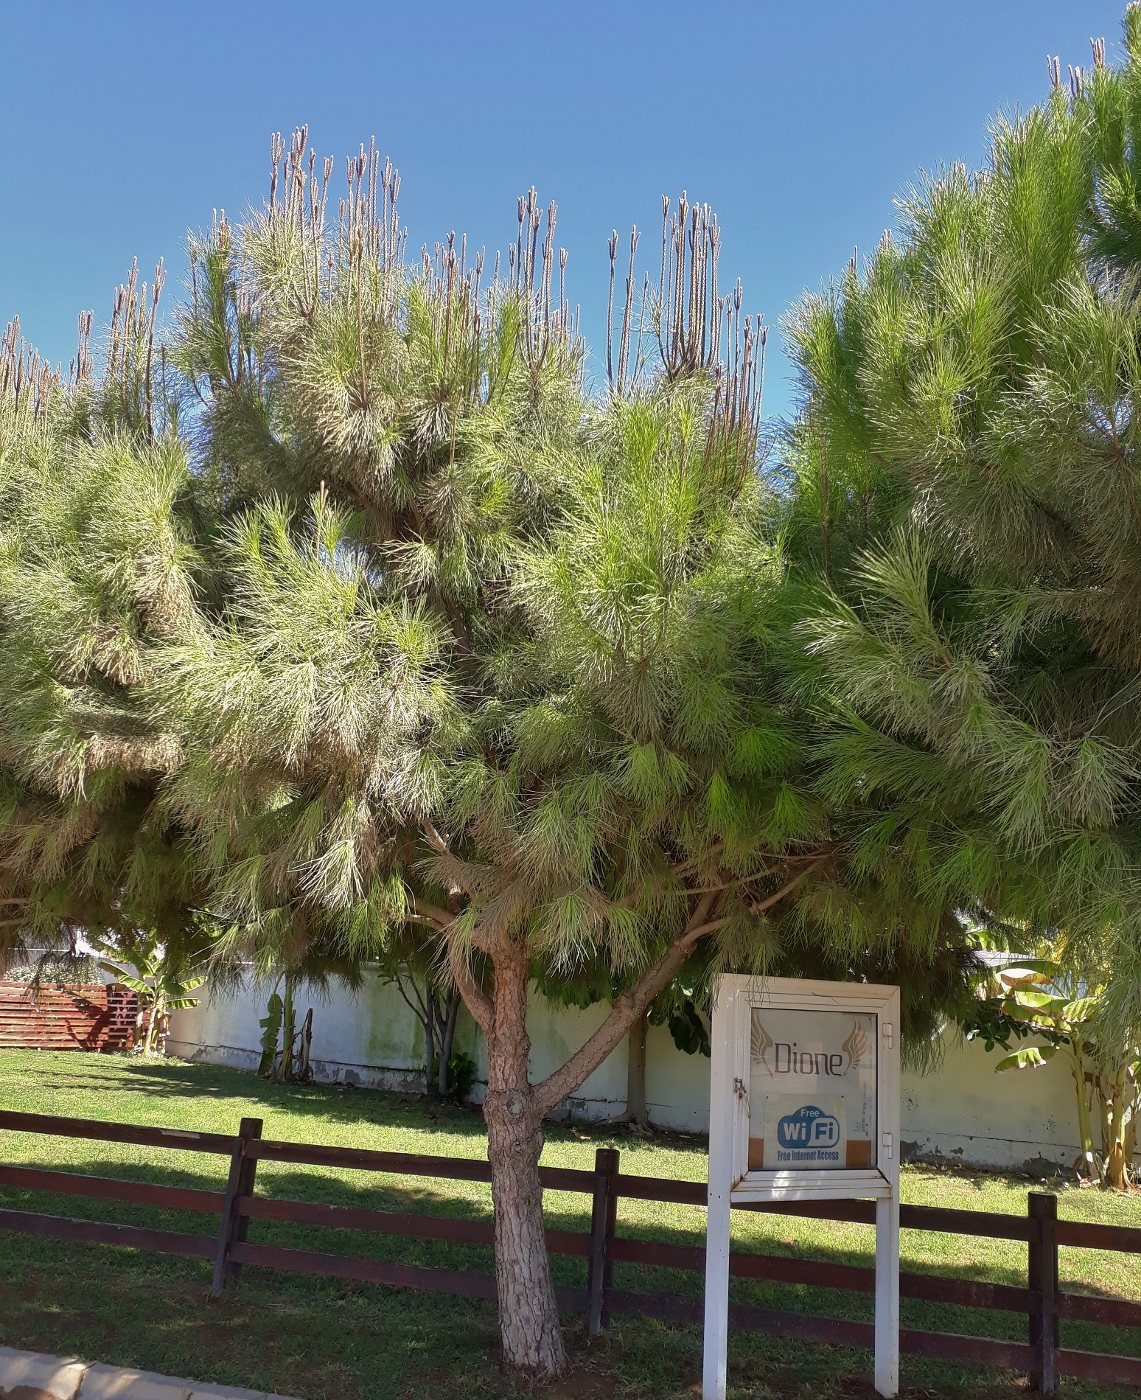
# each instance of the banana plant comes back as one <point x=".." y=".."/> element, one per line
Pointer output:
<point x="160" y="978"/>
<point x="285" y="1046"/>
<point x="1040" y="996"/>
<point x="270" y="1025"/>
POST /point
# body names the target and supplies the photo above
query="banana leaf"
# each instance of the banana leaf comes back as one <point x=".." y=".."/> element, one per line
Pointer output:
<point x="1030" y="1058"/>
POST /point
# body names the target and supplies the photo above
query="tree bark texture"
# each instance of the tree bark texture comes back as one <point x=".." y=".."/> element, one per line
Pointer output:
<point x="528" y="1311"/>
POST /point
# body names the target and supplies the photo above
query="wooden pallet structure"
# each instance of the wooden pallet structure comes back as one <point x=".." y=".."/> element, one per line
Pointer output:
<point x="54" y="1016"/>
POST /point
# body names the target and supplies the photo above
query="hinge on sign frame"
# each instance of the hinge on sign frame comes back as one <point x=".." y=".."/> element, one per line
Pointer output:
<point x="888" y="1143"/>
<point x="888" y="1034"/>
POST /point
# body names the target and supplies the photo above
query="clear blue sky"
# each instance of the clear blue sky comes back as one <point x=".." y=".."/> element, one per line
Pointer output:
<point x="798" y="120"/>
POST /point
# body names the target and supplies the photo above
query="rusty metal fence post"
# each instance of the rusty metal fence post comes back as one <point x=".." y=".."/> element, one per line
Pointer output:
<point x="603" y="1219"/>
<point x="233" y="1226"/>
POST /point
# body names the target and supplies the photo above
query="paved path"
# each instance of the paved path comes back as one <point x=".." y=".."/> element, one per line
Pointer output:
<point x="25" y="1375"/>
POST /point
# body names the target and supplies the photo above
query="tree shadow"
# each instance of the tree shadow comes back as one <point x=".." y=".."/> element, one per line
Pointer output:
<point x="335" y="1102"/>
<point x="338" y="1103"/>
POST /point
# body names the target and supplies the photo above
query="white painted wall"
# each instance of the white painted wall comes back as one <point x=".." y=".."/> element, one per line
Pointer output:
<point x="963" y="1112"/>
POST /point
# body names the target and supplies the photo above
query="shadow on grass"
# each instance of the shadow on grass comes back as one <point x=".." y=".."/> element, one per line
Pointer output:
<point x="333" y="1102"/>
<point x="336" y="1103"/>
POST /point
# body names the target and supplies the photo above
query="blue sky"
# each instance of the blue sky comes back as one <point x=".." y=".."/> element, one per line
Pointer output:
<point x="799" y="121"/>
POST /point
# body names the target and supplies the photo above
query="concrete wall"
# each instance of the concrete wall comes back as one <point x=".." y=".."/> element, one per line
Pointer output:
<point x="963" y="1112"/>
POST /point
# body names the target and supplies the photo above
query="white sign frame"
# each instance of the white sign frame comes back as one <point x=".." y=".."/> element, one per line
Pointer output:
<point x="731" y="1181"/>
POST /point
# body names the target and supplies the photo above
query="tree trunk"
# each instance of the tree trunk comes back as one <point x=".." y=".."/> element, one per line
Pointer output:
<point x="429" y="1038"/>
<point x="528" y="1312"/>
<point x="1113" y="1148"/>
<point x="514" y="1109"/>
<point x="636" y="1074"/>
<point x="287" y="1031"/>
<point x="305" y="1047"/>
<point x="1085" y="1126"/>
<point x="447" y="1036"/>
<point x="154" y="1030"/>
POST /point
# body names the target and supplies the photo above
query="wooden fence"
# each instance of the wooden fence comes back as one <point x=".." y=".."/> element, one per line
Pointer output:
<point x="57" y="1017"/>
<point x="1041" y="1300"/>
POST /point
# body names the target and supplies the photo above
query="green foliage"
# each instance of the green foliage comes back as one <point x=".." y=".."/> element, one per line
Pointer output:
<point x="688" y="1030"/>
<point x="395" y="574"/>
<point x="286" y="1044"/>
<point x="270" y="1025"/>
<point x="461" y="1077"/>
<point x="1043" y="997"/>
<point x="352" y="615"/>
<point x="962" y="520"/>
<point x="376" y="613"/>
<point x="162" y="974"/>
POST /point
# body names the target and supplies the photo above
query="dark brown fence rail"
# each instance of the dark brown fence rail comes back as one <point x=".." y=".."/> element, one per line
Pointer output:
<point x="56" y="1017"/>
<point x="1041" y="1301"/>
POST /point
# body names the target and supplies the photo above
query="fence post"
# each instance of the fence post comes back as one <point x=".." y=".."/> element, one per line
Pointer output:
<point x="1042" y="1208"/>
<point x="603" y="1218"/>
<point x="233" y="1225"/>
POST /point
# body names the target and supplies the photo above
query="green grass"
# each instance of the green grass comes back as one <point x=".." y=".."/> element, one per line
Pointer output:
<point x="324" y="1338"/>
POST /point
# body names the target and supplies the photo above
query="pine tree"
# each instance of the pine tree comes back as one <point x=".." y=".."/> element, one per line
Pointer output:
<point x="490" y="655"/>
<point x="95" y="564"/>
<point x="963" y="499"/>
<point x="350" y="612"/>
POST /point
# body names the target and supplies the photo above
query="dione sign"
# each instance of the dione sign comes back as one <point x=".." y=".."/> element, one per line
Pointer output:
<point x="812" y="1090"/>
<point x="804" y="1105"/>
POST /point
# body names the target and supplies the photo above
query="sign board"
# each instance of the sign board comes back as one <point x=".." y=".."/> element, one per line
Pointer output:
<point x="812" y="1090"/>
<point x="804" y="1105"/>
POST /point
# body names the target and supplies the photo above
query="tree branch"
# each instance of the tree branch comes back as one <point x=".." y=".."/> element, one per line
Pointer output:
<point x="634" y="1003"/>
<point x="702" y="929"/>
<point x="441" y="846"/>
<point x="790" y="885"/>
<point x="423" y="912"/>
<point x="475" y="998"/>
<point x="433" y="837"/>
<point x="420" y="1013"/>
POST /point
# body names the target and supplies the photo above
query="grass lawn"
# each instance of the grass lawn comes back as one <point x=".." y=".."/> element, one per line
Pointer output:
<point x="325" y="1338"/>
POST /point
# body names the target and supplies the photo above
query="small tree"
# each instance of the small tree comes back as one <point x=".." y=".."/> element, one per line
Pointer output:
<point x="1040" y="996"/>
<point x="416" y="964"/>
<point x="286" y="1047"/>
<point x="287" y="957"/>
<point x="161" y="975"/>
<point x="492" y="660"/>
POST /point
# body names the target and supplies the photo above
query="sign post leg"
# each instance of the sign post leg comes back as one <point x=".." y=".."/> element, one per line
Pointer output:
<point x="887" y="1295"/>
<point x="716" y="1297"/>
<point x="722" y="1118"/>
